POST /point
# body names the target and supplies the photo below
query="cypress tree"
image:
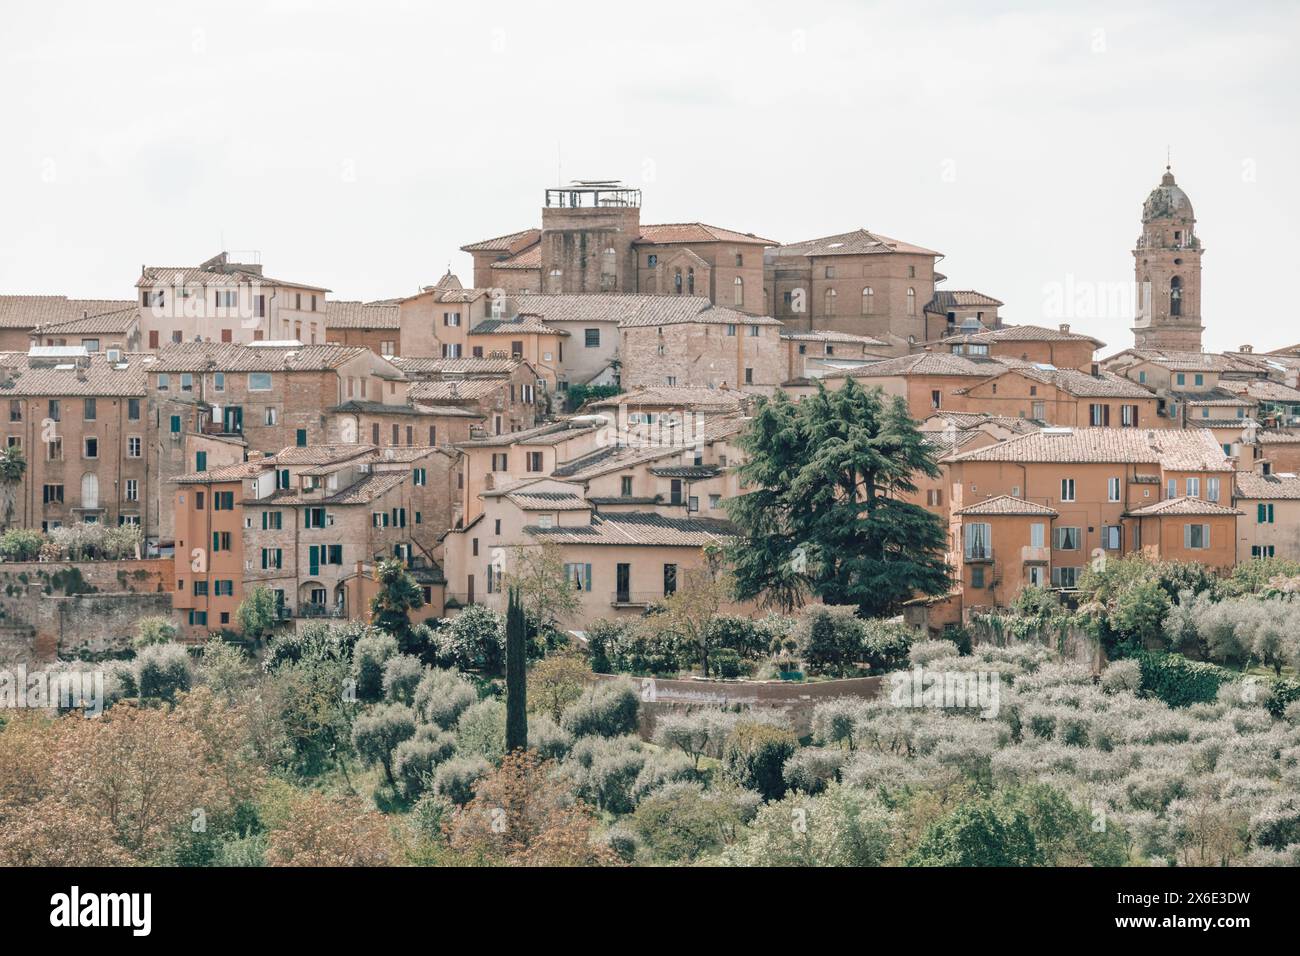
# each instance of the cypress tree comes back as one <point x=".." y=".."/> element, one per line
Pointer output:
<point x="516" y="674"/>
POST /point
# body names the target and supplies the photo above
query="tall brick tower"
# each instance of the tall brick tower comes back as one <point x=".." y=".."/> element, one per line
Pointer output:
<point x="588" y="229"/>
<point x="1167" y="268"/>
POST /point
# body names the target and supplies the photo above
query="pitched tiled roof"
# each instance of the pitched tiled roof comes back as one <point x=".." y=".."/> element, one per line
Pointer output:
<point x="550" y="433"/>
<point x="856" y="243"/>
<point x="502" y="243"/>
<point x="930" y="363"/>
<point x="613" y="458"/>
<point x="461" y="389"/>
<point x="468" y="366"/>
<point x="819" y="335"/>
<point x="635" y="527"/>
<point x="611" y="307"/>
<point x="1082" y="385"/>
<point x="1251" y="484"/>
<point x="975" y="419"/>
<point x="363" y="315"/>
<point x="227" y="357"/>
<point x="516" y="326"/>
<point x="1263" y="390"/>
<point x="527" y="500"/>
<point x="688" y="472"/>
<point x="1174" y="449"/>
<point x="1181" y="506"/>
<point x="367" y="489"/>
<point x="118" y="322"/>
<point x="945" y="299"/>
<point x="1021" y="333"/>
<point x="236" y="472"/>
<point x="1184" y="361"/>
<point x="29" y="311"/>
<point x="716" y="315"/>
<point x="697" y="397"/>
<point x="530" y="258"/>
<point x="321" y="454"/>
<point x="1006" y="505"/>
<point x="1216" y="396"/>
<point x="666" y="233"/>
<point x="172" y="276"/>
<point x="1268" y="436"/>
<point x="363" y="407"/>
<point x="101" y="378"/>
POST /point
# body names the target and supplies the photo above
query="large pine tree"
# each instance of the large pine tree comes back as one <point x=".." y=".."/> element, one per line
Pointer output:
<point x="820" y="509"/>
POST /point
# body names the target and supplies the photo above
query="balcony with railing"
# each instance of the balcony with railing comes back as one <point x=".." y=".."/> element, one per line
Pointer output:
<point x="635" y="598"/>
<point x="978" y="554"/>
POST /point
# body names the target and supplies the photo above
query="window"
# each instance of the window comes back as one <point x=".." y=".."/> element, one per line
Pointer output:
<point x="1038" y="410"/>
<point x="651" y="261"/>
<point x="749" y="376"/>
<point x="1128" y="416"/>
<point x="911" y="301"/>
<point x="133" y="446"/>
<point x="314" y="518"/>
<point x="1264" y="513"/>
<point x="90" y="448"/>
<point x="176" y="337"/>
<point x="1181" y="379"/>
<point x="199" y="500"/>
<point x="1262" y="551"/>
<point x="1112" y="489"/>
<point x="272" y="558"/>
<point x="225" y="588"/>
<point x="591" y="338"/>
<point x="1193" y="487"/>
<point x="829" y="298"/>
<point x="187" y="382"/>
<point x="1067" y="489"/>
<point x="388" y="348"/>
<point x="1112" y="537"/>
<point x="223" y="501"/>
<point x="1198" y="379"/>
<point x="53" y="494"/>
<point x="272" y="415"/>
<point x="259" y="306"/>
<point x="55" y="410"/>
<point x="978" y="541"/>
<point x="715" y="502"/>
<point x="546" y="521"/>
<point x="15" y="410"/>
<point x="1196" y="537"/>
<point x="754" y="331"/>
<point x="302" y="437"/>
<point x="259" y="381"/>
<point x="534" y="461"/>
<point x="1037" y="535"/>
<point x="200" y="588"/>
<point x="670" y="579"/>
<point x="731" y="329"/>
<point x="198" y="618"/>
<point x="133" y="409"/>
<point x="88" y="410"/>
<point x="500" y="461"/>
<point x="738" y="290"/>
<point x="1065" y="577"/>
<point x="1211" y="489"/>
<point x="1066" y="539"/>
<point x="1099" y="415"/>
<point x="219" y="381"/>
<point x="830" y="272"/>
<point x="934" y="398"/>
<point x="54" y="449"/>
<point x="625" y="488"/>
<point x="200" y="461"/>
<point x="868" y="299"/>
<point x="580" y="575"/>
<point x="977" y="576"/>
<point x="419" y="477"/>
<point x="934" y="497"/>
<point x="692" y="503"/>
<point x="1171" y="489"/>
<point x="451" y="319"/>
<point x="451" y="350"/>
<point x="220" y="541"/>
<point x="272" y="520"/>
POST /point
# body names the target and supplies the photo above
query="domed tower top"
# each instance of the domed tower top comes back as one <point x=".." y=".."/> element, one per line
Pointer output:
<point x="1167" y="201"/>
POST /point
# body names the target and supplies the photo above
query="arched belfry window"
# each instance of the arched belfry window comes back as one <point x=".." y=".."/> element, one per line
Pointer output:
<point x="911" y="301"/>
<point x="677" y="281"/>
<point x="690" y="281"/>
<point x="739" y="286"/>
<point x="1176" y="296"/>
<point x="868" y="297"/>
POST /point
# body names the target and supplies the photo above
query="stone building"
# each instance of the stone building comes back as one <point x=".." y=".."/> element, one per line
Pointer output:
<point x="1167" y="270"/>
<point x="372" y="325"/>
<point x="714" y="347"/>
<point x="118" y="329"/>
<point x="224" y="301"/>
<point x="592" y="241"/>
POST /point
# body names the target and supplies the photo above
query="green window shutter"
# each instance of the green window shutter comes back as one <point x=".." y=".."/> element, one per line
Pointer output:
<point x="1259" y="513"/>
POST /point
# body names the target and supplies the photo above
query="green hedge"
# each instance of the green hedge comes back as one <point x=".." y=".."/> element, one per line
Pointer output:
<point x="1180" y="682"/>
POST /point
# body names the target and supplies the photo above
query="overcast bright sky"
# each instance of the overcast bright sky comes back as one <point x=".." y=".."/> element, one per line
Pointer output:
<point x="358" y="146"/>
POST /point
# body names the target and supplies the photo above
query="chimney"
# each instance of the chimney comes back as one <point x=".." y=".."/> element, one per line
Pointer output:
<point x="1065" y="327"/>
<point x="81" y="373"/>
<point x="1247" y="349"/>
<point x="1096" y="370"/>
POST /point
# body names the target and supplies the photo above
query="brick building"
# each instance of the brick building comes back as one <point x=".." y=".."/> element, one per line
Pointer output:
<point x="712" y="348"/>
<point x="21" y="315"/>
<point x="82" y="425"/>
<point x="372" y="325"/>
<point x="1167" y="271"/>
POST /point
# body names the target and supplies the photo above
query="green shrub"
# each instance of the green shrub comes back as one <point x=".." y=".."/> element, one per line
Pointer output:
<point x="754" y="757"/>
<point x="369" y="656"/>
<point x="163" y="671"/>
<point x="608" y="709"/>
<point x="456" y="778"/>
<point x="1180" y="682"/>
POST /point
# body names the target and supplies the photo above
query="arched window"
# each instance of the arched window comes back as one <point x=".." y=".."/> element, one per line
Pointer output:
<point x="555" y="279"/>
<point x="677" y="281"/>
<point x="89" y="490"/>
<point x="868" y="301"/>
<point x="1175" y="296"/>
<point x="829" y="298"/>
<point x="738" y="291"/>
<point x="911" y="301"/>
<point x="690" y="281"/>
<point x="608" y="273"/>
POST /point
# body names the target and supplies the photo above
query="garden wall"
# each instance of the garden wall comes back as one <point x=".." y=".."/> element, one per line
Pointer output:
<point x="1072" y="643"/>
<point x="58" y="608"/>
<point x="793" y="699"/>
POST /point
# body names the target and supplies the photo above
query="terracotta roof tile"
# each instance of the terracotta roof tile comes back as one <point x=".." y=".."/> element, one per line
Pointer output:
<point x="640" y="528"/>
<point x="1173" y="449"/>
<point x="1007" y="505"/>
<point x="856" y="243"/>
<point x="1253" y="485"/>
<point x="673" y="232"/>
<point x="363" y="315"/>
<point x="228" y="357"/>
<point x="1181" y="506"/>
<point x="29" y="311"/>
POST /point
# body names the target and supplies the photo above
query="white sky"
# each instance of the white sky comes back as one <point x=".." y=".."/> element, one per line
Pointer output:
<point x="358" y="146"/>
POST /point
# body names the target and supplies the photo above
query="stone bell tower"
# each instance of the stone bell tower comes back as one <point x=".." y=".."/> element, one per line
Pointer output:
<point x="1167" y="269"/>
